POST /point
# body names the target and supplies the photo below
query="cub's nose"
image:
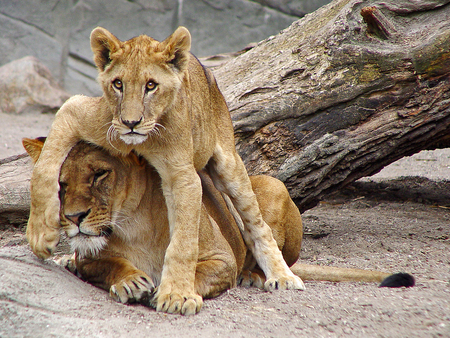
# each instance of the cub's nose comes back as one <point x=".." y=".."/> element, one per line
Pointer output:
<point x="131" y="124"/>
<point x="79" y="217"/>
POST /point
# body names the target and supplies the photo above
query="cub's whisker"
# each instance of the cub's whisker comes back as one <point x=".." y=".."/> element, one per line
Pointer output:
<point x="111" y="136"/>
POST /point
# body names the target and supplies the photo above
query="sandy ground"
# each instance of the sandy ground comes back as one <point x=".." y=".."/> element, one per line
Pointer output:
<point x="395" y="221"/>
<point x="15" y="127"/>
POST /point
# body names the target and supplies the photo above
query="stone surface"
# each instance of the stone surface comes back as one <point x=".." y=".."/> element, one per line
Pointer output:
<point x="26" y="85"/>
<point x="40" y="299"/>
<point x="294" y="7"/>
<point x="57" y="32"/>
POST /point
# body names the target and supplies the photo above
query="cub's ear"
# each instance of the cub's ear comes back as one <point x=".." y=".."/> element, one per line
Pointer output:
<point x="103" y="44"/>
<point x="176" y="48"/>
<point x="33" y="147"/>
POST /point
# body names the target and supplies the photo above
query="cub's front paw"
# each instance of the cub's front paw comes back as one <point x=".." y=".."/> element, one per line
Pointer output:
<point x="284" y="283"/>
<point x="42" y="233"/>
<point x="43" y="241"/>
<point x="185" y="303"/>
<point x="137" y="287"/>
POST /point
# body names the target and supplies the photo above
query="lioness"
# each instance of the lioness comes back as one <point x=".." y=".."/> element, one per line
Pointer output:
<point x="159" y="101"/>
<point x="114" y="213"/>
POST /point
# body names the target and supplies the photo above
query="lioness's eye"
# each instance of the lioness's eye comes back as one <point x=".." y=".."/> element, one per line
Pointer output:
<point x="118" y="84"/>
<point x="150" y="86"/>
<point x="62" y="190"/>
<point x="100" y="175"/>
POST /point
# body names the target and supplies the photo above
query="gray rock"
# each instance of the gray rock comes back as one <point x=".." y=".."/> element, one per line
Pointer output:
<point x="26" y="85"/>
<point x="294" y="7"/>
<point x="57" y="32"/>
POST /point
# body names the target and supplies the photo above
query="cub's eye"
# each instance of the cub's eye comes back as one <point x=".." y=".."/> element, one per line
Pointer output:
<point x="150" y="86"/>
<point x="118" y="84"/>
<point x="99" y="175"/>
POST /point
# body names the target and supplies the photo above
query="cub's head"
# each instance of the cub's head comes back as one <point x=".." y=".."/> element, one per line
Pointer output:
<point x="94" y="187"/>
<point x="140" y="78"/>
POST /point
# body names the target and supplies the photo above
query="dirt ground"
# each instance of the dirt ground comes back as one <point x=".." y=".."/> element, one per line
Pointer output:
<point x="395" y="221"/>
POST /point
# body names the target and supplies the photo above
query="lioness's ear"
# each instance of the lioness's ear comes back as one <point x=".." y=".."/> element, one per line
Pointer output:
<point x="176" y="48"/>
<point x="103" y="44"/>
<point x="33" y="147"/>
<point x="139" y="160"/>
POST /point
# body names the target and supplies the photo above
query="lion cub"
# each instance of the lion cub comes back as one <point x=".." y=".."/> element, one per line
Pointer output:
<point x="160" y="102"/>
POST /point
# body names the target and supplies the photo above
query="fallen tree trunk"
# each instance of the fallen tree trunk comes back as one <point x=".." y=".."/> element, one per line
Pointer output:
<point x="15" y="173"/>
<point x="336" y="96"/>
<point x="342" y="93"/>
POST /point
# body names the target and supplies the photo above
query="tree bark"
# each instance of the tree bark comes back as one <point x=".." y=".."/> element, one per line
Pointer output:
<point x="342" y="93"/>
<point x="15" y="173"/>
<point x="337" y="96"/>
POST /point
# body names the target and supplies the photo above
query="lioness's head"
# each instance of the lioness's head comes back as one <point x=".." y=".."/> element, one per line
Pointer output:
<point x="140" y="78"/>
<point x="93" y="188"/>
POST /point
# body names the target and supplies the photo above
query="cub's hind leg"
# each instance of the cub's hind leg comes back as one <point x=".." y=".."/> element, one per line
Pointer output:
<point x="230" y="177"/>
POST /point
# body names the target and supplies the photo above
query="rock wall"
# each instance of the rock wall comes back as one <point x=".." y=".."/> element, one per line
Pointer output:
<point x="26" y="86"/>
<point x="57" y="32"/>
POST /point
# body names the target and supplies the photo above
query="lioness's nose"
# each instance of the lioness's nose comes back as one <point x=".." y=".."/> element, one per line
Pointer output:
<point x="131" y="124"/>
<point x="79" y="217"/>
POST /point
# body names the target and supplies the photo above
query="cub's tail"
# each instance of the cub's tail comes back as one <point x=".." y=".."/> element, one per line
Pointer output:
<point x="334" y="274"/>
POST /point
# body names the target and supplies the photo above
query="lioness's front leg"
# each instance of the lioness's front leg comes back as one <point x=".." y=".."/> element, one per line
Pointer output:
<point x="230" y="176"/>
<point x="125" y="283"/>
<point x="183" y="193"/>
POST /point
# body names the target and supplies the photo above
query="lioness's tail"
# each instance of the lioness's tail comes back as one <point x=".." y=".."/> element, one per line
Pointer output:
<point x="333" y="274"/>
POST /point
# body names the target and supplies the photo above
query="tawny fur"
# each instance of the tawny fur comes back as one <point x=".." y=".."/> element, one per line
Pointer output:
<point x="159" y="101"/>
<point x="122" y="197"/>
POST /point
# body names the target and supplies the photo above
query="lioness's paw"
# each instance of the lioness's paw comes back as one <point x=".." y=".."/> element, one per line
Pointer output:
<point x="133" y="288"/>
<point x="248" y="278"/>
<point x="67" y="261"/>
<point x="185" y="304"/>
<point x="284" y="283"/>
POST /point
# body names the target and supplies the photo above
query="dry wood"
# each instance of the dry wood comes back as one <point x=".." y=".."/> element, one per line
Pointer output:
<point x="342" y="93"/>
<point x="15" y="173"/>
